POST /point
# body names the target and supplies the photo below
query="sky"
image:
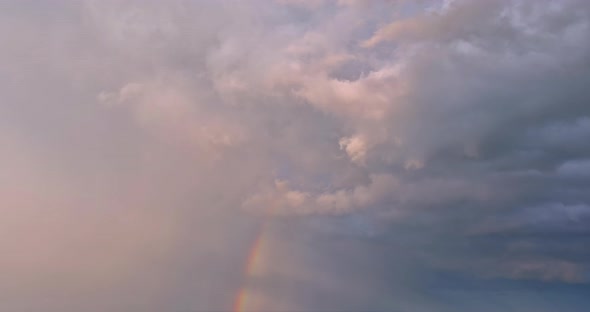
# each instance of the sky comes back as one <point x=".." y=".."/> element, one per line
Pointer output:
<point x="294" y="155"/>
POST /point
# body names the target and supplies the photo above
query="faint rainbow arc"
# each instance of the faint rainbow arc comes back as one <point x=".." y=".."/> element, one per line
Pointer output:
<point x="243" y="301"/>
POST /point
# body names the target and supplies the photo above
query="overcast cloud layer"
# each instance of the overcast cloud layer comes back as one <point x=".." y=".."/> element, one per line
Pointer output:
<point x="392" y="155"/>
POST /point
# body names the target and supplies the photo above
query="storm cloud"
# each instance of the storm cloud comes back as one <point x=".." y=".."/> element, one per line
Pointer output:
<point x="325" y="155"/>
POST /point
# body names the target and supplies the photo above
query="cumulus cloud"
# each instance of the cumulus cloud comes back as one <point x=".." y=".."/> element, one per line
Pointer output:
<point x="432" y="137"/>
<point x="281" y="199"/>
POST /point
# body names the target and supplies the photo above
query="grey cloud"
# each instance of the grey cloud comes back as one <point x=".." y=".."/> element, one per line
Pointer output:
<point x="391" y="150"/>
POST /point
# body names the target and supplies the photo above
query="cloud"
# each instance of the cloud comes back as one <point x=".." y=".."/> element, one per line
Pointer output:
<point x="384" y="143"/>
<point x="281" y="199"/>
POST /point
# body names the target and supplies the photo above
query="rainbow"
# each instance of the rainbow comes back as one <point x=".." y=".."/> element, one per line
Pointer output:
<point x="248" y="299"/>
